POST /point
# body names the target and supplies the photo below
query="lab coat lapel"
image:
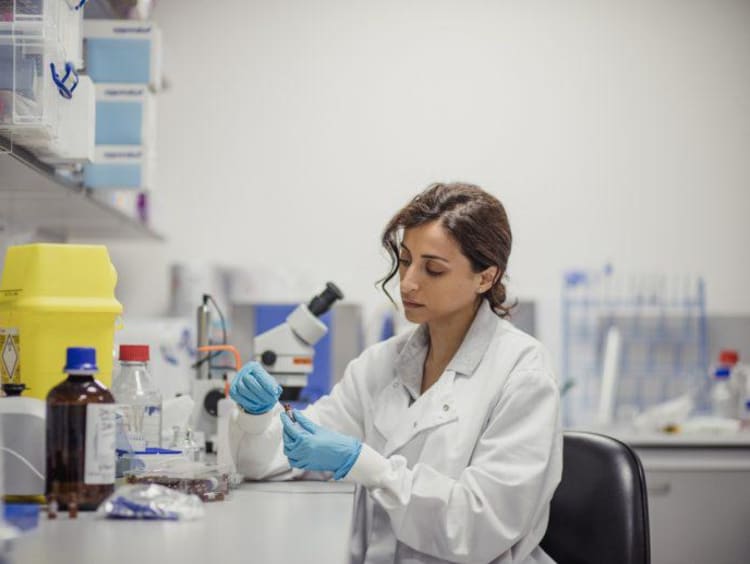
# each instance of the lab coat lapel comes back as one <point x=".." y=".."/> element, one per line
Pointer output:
<point x="398" y="423"/>
<point x="435" y="408"/>
<point x="392" y="404"/>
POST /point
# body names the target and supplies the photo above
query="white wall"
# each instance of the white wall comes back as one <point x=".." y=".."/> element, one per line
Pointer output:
<point x="612" y="131"/>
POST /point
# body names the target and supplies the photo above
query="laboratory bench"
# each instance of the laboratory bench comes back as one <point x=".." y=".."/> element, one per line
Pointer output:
<point x="699" y="510"/>
<point x="698" y="495"/>
<point x="269" y="522"/>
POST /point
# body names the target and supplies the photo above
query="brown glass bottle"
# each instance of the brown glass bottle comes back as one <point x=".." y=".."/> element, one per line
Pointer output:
<point x="80" y="435"/>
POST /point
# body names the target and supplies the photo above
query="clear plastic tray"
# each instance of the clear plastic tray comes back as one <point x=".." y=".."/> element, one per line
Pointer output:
<point x="49" y="21"/>
<point x="208" y="482"/>
<point x="30" y="101"/>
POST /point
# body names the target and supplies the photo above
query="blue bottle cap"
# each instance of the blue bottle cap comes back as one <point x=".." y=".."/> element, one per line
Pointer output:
<point x="722" y="372"/>
<point x="81" y="360"/>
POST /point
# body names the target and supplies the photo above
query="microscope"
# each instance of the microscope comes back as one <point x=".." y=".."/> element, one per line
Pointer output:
<point x="285" y="351"/>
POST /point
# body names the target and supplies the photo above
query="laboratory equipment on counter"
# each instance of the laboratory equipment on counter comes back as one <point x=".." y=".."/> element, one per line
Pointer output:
<point x="138" y="397"/>
<point x="205" y="389"/>
<point x="203" y="323"/>
<point x="286" y="351"/>
<point x="343" y="343"/>
<point x="663" y="348"/>
<point x="610" y="370"/>
<point x="739" y="378"/>
<point x="22" y="424"/>
<point x="53" y="296"/>
<point x="80" y="435"/>
<point x="222" y="408"/>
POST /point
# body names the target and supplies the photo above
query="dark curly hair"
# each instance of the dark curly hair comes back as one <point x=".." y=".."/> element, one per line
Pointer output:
<point x="475" y="219"/>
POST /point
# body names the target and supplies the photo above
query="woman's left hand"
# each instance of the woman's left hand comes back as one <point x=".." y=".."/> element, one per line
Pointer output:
<point x="312" y="447"/>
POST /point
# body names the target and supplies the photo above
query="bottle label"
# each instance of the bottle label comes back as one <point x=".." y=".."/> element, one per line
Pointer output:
<point x="10" y="356"/>
<point x="99" y="467"/>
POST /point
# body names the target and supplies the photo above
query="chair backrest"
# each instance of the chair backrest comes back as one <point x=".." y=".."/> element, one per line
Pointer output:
<point x="599" y="513"/>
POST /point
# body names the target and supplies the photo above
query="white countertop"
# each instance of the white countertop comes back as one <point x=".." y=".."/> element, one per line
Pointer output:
<point x="268" y="522"/>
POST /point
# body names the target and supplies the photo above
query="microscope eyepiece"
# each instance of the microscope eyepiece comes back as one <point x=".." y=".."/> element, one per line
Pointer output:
<point x="323" y="301"/>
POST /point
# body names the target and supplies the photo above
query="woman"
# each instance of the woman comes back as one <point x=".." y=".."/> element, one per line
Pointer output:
<point x="451" y="431"/>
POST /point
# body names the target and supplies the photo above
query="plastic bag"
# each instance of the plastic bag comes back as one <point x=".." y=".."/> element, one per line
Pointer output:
<point x="151" y="501"/>
<point x="210" y="483"/>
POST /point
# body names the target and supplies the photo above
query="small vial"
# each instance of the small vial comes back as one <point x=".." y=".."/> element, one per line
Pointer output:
<point x="73" y="506"/>
<point x="52" y="506"/>
<point x="290" y="412"/>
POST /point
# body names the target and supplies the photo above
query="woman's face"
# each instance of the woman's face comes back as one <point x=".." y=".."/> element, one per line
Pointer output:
<point x="437" y="282"/>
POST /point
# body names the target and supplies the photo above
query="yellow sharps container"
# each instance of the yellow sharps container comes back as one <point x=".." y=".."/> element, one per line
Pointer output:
<point x="53" y="297"/>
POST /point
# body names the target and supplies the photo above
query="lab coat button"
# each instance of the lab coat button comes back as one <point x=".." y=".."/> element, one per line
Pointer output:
<point x="415" y="425"/>
<point x="446" y="407"/>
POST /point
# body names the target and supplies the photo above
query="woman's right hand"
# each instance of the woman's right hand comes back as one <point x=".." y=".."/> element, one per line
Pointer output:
<point x="254" y="389"/>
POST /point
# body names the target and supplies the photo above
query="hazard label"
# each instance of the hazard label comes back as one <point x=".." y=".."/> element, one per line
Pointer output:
<point x="9" y="356"/>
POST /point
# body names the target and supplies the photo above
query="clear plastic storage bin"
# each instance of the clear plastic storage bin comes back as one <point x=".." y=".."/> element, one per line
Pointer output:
<point x="30" y="100"/>
<point x="48" y="21"/>
<point x="74" y="142"/>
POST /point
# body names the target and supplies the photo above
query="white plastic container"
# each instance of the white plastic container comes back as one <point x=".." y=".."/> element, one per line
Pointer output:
<point x="723" y="398"/>
<point x="125" y="115"/>
<point x="123" y="51"/>
<point x="138" y="397"/>
<point x="119" y="166"/>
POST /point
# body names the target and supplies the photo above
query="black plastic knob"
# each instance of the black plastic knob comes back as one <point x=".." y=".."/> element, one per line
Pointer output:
<point x="211" y="401"/>
<point x="268" y="358"/>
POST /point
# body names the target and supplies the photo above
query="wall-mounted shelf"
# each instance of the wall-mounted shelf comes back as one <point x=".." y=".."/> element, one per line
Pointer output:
<point x="33" y="196"/>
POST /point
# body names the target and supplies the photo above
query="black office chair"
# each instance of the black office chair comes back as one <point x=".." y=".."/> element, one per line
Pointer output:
<point x="599" y="513"/>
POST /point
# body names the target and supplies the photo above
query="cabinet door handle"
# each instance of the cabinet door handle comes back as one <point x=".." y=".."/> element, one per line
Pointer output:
<point x="659" y="489"/>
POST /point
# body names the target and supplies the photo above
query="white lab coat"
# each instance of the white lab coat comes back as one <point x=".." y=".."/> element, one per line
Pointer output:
<point x="463" y="473"/>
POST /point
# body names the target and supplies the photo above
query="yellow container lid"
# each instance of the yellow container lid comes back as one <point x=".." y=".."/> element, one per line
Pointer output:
<point x="59" y="277"/>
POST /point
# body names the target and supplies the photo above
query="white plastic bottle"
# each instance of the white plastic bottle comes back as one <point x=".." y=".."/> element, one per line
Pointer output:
<point x="723" y="399"/>
<point x="138" y="397"/>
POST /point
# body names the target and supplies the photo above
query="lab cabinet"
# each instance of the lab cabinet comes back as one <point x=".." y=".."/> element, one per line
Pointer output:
<point x="699" y="501"/>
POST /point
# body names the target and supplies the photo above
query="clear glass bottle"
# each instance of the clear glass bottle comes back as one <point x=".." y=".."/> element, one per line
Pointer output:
<point x="138" y="397"/>
<point x="80" y="435"/>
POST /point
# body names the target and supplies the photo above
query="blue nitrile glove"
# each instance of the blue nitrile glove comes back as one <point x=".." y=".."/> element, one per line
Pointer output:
<point x="254" y="389"/>
<point x="313" y="447"/>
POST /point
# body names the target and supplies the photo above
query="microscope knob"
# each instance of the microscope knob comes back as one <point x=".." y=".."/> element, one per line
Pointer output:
<point x="268" y="358"/>
<point x="211" y="401"/>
